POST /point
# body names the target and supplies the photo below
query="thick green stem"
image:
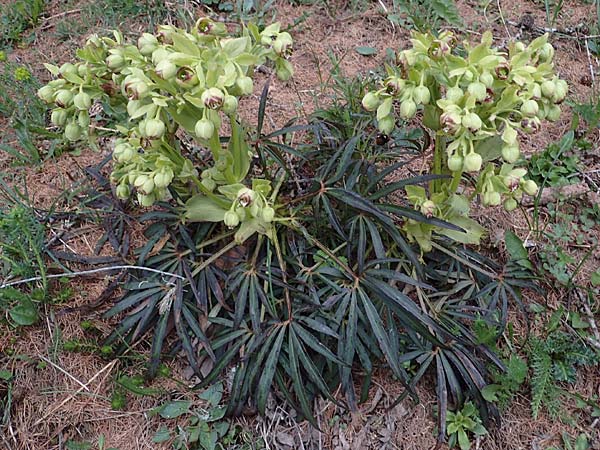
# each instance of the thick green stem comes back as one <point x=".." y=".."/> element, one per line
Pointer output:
<point x="438" y="162"/>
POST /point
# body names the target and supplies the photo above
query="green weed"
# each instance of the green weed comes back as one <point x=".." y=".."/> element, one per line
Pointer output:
<point x="17" y="17"/>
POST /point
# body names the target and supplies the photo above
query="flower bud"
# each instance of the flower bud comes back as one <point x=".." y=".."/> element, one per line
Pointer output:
<point x="536" y="91"/>
<point x="73" y="131"/>
<point x="408" y="109"/>
<point x="548" y="88"/>
<point x="64" y="98"/>
<point x="546" y="53"/>
<point x="68" y="69"/>
<point x="82" y="101"/>
<point x="212" y="98"/>
<point x="530" y="187"/>
<point x="494" y="198"/>
<point x="472" y="122"/>
<point x="370" y="101"/>
<point x="230" y="104"/>
<point x="166" y="69"/>
<point x="46" y="93"/>
<point x="163" y="178"/>
<point x="268" y="214"/>
<point x="59" y="117"/>
<point x="421" y="95"/>
<point x="386" y="124"/>
<point x="473" y="162"/>
<point x="553" y="113"/>
<point x="231" y="219"/>
<point x="454" y="94"/>
<point x="115" y="61"/>
<point x="159" y="55"/>
<point x="147" y="43"/>
<point x="428" y="208"/>
<point x="519" y="47"/>
<point x="245" y="85"/>
<point x="530" y="108"/>
<point x="560" y="91"/>
<point x="487" y="79"/>
<point x="477" y="90"/>
<point x="123" y="191"/>
<point x="155" y="128"/>
<point x="455" y="163"/>
<point x="510" y="153"/>
<point x="510" y="204"/>
<point x="146" y="200"/>
<point x="204" y="129"/>
<point x="83" y="119"/>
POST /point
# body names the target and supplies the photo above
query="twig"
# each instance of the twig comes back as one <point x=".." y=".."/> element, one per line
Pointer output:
<point x="110" y="365"/>
<point x="56" y="16"/>
<point x="590" y="66"/>
<point x="590" y="316"/>
<point x="502" y="19"/>
<point x="91" y="271"/>
<point x="60" y="369"/>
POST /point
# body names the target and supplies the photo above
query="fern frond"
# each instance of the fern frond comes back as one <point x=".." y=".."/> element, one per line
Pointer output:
<point x="542" y="378"/>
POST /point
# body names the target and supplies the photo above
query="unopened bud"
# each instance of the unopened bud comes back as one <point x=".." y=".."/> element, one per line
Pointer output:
<point x="421" y="95"/>
<point x="473" y="162"/>
<point x="472" y="122"/>
<point x="408" y="109"/>
<point x="82" y="101"/>
<point x="204" y="129"/>
<point x="370" y="101"/>
<point x="530" y="187"/>
<point x="455" y="163"/>
<point x="231" y="219"/>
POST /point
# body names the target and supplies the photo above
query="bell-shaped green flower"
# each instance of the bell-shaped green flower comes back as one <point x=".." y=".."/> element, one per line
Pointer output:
<point x="82" y="101"/>
<point x="421" y="95"/>
<point x="408" y="109"/>
<point x="213" y="98"/>
<point x="472" y="122"/>
<point x="155" y="128"/>
<point x="73" y="131"/>
<point x="245" y="85"/>
<point x="370" y="101"/>
<point x="455" y="163"/>
<point x="473" y="162"/>
<point x="231" y="219"/>
<point x="530" y="187"/>
<point x="166" y="69"/>
<point x="64" y="98"/>
<point x="530" y="108"/>
<point x="510" y="204"/>
<point x="204" y="129"/>
<point x="510" y="153"/>
<point x="59" y="117"/>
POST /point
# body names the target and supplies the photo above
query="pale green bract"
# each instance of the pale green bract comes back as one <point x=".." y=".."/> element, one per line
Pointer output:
<point x="175" y="80"/>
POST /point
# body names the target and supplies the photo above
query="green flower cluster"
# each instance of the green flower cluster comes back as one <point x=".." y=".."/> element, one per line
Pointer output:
<point x="476" y="100"/>
<point x="174" y="79"/>
<point x="474" y="97"/>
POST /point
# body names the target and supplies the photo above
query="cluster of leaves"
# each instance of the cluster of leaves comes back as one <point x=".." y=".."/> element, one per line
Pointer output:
<point x="424" y="15"/>
<point x="559" y="163"/>
<point x="17" y="17"/>
<point x="555" y="358"/>
<point x="581" y="442"/>
<point x="461" y="423"/>
<point x="206" y="428"/>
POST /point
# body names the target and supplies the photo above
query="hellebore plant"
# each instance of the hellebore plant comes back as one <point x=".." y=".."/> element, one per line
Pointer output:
<point x="475" y="105"/>
<point x="175" y="80"/>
